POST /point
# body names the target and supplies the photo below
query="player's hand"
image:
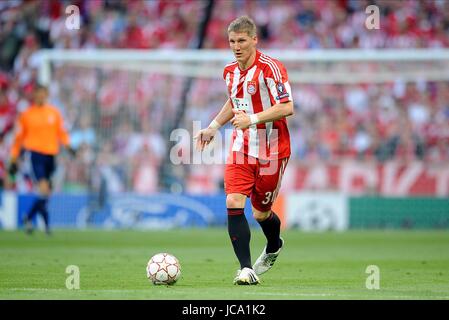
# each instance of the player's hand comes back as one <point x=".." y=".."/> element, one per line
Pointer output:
<point x="13" y="168"/>
<point x="71" y="151"/>
<point x="204" y="137"/>
<point x="241" y="120"/>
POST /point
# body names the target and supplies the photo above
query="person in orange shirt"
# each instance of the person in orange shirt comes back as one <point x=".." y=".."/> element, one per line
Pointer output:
<point x="39" y="133"/>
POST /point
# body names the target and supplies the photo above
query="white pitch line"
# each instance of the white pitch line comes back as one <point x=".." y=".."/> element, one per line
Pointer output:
<point x="337" y="295"/>
<point x="298" y="294"/>
<point x="33" y="289"/>
<point x="75" y="290"/>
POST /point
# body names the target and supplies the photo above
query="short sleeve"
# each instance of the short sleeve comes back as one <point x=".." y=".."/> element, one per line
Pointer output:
<point x="276" y="78"/>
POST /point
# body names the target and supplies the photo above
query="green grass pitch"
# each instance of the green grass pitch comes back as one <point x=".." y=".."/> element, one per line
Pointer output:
<point x="413" y="265"/>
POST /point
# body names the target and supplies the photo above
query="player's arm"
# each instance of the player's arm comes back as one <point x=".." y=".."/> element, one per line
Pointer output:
<point x="276" y="112"/>
<point x="19" y="136"/>
<point x="63" y="135"/>
<point x="205" y="136"/>
<point x="224" y="115"/>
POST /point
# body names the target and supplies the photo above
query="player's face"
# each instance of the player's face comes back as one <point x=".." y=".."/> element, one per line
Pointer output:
<point x="242" y="45"/>
<point x="40" y="96"/>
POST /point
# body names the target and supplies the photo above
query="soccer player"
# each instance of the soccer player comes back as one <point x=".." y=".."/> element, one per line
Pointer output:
<point x="39" y="132"/>
<point x="259" y="101"/>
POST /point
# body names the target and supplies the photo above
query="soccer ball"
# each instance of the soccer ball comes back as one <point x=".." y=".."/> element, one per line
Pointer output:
<point x="163" y="268"/>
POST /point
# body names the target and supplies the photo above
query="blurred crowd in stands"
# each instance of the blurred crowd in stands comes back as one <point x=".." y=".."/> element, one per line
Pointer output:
<point x="117" y="120"/>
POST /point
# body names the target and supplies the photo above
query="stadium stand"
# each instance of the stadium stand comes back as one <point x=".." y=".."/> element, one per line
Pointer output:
<point x="334" y="122"/>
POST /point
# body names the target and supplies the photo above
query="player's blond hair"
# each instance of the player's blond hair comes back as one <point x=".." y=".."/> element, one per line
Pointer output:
<point x="243" y="24"/>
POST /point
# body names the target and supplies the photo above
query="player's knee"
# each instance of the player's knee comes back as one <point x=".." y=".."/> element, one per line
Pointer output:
<point x="235" y="201"/>
<point x="260" y="216"/>
<point x="44" y="187"/>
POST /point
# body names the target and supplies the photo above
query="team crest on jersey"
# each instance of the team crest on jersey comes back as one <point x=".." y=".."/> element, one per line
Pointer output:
<point x="252" y="87"/>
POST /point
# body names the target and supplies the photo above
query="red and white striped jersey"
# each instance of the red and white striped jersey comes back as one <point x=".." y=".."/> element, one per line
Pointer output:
<point x="254" y="90"/>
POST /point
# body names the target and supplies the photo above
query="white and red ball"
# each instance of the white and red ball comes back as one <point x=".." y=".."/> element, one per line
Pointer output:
<point x="163" y="268"/>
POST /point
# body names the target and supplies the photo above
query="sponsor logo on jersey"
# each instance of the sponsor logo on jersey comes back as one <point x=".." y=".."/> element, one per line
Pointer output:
<point x="241" y="104"/>
<point x="252" y="87"/>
